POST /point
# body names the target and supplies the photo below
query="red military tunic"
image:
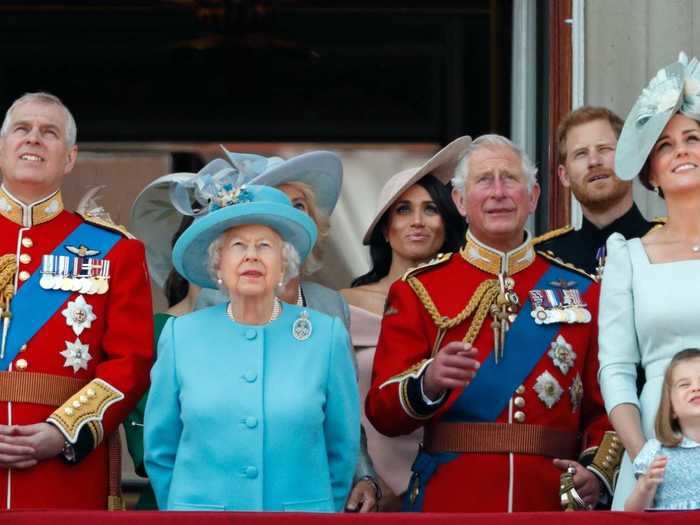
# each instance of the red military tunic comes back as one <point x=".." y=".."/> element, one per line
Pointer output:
<point x="559" y="394"/>
<point x="87" y="394"/>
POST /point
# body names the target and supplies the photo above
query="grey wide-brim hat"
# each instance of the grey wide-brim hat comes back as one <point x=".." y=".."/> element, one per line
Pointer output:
<point x="154" y="220"/>
<point x="321" y="170"/>
<point x="675" y="88"/>
<point x="441" y="165"/>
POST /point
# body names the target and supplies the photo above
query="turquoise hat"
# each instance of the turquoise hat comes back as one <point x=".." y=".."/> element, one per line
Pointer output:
<point x="321" y="170"/>
<point x="675" y="88"/>
<point x="227" y="204"/>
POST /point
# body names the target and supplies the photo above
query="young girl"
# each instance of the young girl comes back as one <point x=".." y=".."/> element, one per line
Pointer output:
<point x="666" y="467"/>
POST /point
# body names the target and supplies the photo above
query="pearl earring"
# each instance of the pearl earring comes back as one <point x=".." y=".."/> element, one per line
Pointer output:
<point x="656" y="190"/>
<point x="219" y="281"/>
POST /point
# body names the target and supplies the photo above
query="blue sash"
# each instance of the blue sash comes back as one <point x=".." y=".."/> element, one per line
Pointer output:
<point x="488" y="394"/>
<point x="33" y="306"/>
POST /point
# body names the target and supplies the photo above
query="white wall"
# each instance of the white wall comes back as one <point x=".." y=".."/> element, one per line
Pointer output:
<point x="627" y="41"/>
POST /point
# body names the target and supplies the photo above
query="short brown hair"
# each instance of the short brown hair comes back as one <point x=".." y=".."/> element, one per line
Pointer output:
<point x="584" y="115"/>
<point x="666" y="426"/>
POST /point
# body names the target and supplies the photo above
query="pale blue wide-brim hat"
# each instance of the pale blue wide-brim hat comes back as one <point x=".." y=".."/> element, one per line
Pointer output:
<point x="247" y="204"/>
<point x="321" y="170"/>
<point x="675" y="88"/>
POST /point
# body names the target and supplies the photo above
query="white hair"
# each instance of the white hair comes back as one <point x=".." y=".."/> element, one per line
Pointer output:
<point x="290" y="259"/>
<point x="461" y="172"/>
<point x="43" y="98"/>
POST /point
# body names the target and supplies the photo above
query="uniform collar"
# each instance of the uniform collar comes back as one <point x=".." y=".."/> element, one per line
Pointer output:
<point x="630" y="224"/>
<point x="495" y="262"/>
<point x="28" y="215"/>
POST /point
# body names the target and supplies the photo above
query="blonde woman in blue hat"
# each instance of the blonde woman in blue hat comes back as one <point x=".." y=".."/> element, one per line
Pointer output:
<point x="253" y="402"/>
<point x="648" y="307"/>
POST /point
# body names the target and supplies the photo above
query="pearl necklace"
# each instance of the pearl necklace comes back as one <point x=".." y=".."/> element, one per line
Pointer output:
<point x="695" y="248"/>
<point x="276" y="310"/>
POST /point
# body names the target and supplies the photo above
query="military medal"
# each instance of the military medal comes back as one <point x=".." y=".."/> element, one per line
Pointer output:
<point x="548" y="389"/>
<point x="301" y="329"/>
<point x="576" y="393"/>
<point x="79" y="315"/>
<point x="47" y="271"/>
<point x="562" y="354"/>
<point x="77" y="355"/>
<point x="600" y="258"/>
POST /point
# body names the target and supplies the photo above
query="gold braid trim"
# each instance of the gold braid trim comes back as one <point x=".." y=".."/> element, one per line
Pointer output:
<point x="8" y="267"/>
<point x="551" y="234"/>
<point x="481" y="302"/>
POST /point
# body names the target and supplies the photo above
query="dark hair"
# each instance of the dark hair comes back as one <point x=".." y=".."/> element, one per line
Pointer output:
<point x="176" y="286"/>
<point x="584" y="115"/>
<point x="645" y="177"/>
<point x="454" y="224"/>
<point x="666" y="426"/>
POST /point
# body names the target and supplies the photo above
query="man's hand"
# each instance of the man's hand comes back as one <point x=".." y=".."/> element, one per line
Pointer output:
<point x="454" y="366"/>
<point x="22" y="446"/>
<point x="13" y="455"/>
<point x="363" y="498"/>
<point x="586" y="483"/>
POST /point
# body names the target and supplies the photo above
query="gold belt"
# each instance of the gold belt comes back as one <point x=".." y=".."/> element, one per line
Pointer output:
<point x="500" y="438"/>
<point x="43" y="389"/>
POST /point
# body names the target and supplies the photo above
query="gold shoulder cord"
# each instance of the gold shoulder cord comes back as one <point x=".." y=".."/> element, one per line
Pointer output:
<point x="8" y="267"/>
<point x="481" y="301"/>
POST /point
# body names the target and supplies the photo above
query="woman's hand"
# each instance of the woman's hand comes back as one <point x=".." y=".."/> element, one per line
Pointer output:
<point x="626" y="422"/>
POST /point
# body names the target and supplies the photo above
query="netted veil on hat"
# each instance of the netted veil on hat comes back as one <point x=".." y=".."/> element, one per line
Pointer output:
<point x="675" y="88"/>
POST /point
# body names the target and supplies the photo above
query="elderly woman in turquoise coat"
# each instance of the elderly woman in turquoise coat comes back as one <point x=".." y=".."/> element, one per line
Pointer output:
<point x="254" y="403"/>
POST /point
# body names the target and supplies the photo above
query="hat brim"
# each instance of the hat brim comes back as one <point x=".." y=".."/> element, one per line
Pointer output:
<point x="441" y="165"/>
<point x="154" y="221"/>
<point x="322" y="170"/>
<point x="190" y="255"/>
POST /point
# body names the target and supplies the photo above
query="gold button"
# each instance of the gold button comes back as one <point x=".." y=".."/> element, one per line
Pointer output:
<point x="83" y="399"/>
<point x="520" y="389"/>
<point x="91" y="392"/>
<point x="22" y="348"/>
<point x="76" y="404"/>
<point x="519" y="416"/>
<point x="24" y="275"/>
<point x="608" y="458"/>
<point x="606" y="464"/>
<point x="68" y="411"/>
<point x="25" y="258"/>
<point x="519" y="402"/>
<point x="21" y="364"/>
<point x="27" y="242"/>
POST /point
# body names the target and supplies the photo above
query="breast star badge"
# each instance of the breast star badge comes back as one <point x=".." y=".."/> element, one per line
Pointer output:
<point x="548" y="389"/>
<point x="79" y="315"/>
<point x="562" y="354"/>
<point x="77" y="355"/>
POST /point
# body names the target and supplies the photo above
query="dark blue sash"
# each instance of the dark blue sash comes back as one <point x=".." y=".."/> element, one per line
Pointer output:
<point x="33" y="306"/>
<point x="488" y="395"/>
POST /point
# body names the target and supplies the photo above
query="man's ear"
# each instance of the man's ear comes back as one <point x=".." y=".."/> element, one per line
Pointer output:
<point x="534" y="197"/>
<point x="563" y="176"/>
<point x="70" y="159"/>
<point x="458" y="199"/>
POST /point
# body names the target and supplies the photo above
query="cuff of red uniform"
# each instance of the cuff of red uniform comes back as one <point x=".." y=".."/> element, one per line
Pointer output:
<point x="413" y="400"/>
<point x="604" y="461"/>
<point x="79" y="419"/>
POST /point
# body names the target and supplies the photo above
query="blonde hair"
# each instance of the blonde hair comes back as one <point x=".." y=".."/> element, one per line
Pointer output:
<point x="666" y="426"/>
<point x="313" y="261"/>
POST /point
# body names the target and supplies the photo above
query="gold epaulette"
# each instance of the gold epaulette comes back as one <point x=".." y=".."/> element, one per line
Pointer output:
<point x="435" y="261"/>
<point x="108" y="225"/>
<point x="552" y="234"/>
<point x="556" y="260"/>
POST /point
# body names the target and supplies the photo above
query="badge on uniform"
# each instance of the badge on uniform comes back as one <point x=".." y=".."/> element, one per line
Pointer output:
<point x="560" y="304"/>
<point x="301" y="329"/>
<point x="75" y="274"/>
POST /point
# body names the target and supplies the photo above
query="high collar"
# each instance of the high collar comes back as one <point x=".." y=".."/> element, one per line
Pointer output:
<point x="28" y="215"/>
<point x="494" y="261"/>
<point x="630" y="224"/>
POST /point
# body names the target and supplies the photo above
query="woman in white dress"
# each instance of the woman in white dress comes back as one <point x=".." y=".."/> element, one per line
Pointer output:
<point x="648" y="307"/>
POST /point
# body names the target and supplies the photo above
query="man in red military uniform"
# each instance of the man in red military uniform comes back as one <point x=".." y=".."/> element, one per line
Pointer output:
<point x="494" y="350"/>
<point x="75" y="316"/>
